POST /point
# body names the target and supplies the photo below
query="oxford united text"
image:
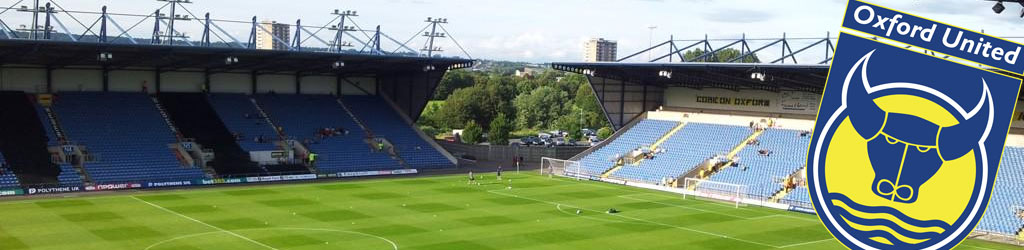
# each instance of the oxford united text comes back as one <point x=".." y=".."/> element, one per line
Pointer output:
<point x="896" y="25"/>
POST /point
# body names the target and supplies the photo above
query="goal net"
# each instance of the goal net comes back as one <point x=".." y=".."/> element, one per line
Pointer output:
<point x="559" y="167"/>
<point x="733" y="193"/>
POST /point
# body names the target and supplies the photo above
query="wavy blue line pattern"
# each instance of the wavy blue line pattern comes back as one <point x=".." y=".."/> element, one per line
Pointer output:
<point x="889" y="224"/>
<point x="888" y="210"/>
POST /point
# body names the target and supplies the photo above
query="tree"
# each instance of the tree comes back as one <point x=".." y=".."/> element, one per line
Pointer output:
<point x="571" y="123"/>
<point x="479" y="103"/>
<point x="593" y="114"/>
<point x="455" y="79"/>
<point x="472" y="134"/>
<point x="500" y="130"/>
<point x="604" y="133"/>
<point x="724" y="55"/>
<point x="540" y="108"/>
<point x="431" y="116"/>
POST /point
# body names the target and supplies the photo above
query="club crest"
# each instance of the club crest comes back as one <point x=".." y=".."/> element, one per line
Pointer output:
<point x="906" y="144"/>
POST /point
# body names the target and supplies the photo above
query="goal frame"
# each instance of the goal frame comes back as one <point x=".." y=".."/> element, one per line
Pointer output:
<point x="724" y="191"/>
<point x="565" y="168"/>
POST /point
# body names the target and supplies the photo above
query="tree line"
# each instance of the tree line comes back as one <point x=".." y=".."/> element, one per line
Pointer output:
<point x="504" y="106"/>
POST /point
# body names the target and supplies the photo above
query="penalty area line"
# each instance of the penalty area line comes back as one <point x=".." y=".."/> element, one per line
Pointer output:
<point x="205" y="224"/>
<point x="641" y="220"/>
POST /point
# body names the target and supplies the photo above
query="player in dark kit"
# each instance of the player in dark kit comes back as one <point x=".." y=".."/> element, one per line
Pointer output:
<point x="499" y="172"/>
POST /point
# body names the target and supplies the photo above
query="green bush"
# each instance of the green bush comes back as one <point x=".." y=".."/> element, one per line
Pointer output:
<point x="604" y="133"/>
<point x="473" y="133"/>
<point x="499" y="130"/>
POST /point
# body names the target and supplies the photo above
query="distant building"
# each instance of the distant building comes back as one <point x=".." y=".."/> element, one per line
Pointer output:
<point x="264" y="40"/>
<point x="528" y="72"/>
<point x="600" y="50"/>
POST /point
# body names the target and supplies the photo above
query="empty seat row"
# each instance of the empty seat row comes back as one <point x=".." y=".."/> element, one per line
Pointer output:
<point x="385" y="122"/>
<point x="240" y="116"/>
<point x="777" y="154"/>
<point x="643" y="133"/>
<point x="7" y="177"/>
<point x="303" y="116"/>
<point x="125" y="133"/>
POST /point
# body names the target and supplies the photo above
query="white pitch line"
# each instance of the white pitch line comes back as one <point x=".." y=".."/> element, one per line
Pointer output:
<point x="680" y="206"/>
<point x="806" y="243"/>
<point x="643" y="220"/>
<point x="205" y="224"/>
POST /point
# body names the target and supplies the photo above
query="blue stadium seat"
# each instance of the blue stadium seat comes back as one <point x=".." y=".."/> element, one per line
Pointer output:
<point x="685" y="149"/>
<point x="232" y="109"/>
<point x="7" y="177"/>
<point x="645" y="132"/>
<point x="126" y="134"/>
<point x="68" y="176"/>
<point x="1007" y="197"/>
<point x="303" y="115"/>
<point x="51" y="135"/>
<point x="789" y="154"/>
<point x="385" y="122"/>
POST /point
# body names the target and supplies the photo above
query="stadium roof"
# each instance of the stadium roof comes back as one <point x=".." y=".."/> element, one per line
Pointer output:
<point x="64" y="54"/>
<point x="772" y="77"/>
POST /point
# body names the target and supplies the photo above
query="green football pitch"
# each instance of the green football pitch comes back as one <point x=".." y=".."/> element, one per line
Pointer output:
<point x="441" y="212"/>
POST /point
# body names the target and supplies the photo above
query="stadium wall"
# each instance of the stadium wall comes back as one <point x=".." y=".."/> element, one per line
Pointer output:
<point x="32" y="79"/>
<point x="759" y="101"/>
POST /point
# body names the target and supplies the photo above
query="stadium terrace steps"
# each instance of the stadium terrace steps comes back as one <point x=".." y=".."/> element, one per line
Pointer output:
<point x="368" y="131"/>
<point x="610" y="139"/>
<point x="644" y="132"/>
<point x="761" y="172"/>
<point x="126" y="135"/>
<point x="302" y="116"/>
<point x="653" y="147"/>
<point x="743" y="144"/>
<point x="686" y="150"/>
<point x="378" y="115"/>
<point x="697" y="141"/>
<point x="196" y="118"/>
<point x="7" y="177"/>
<point x="783" y="191"/>
<point x="1007" y="199"/>
<point x="23" y="141"/>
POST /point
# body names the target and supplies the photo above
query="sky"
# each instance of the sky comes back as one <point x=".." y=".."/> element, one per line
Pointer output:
<point x="546" y="30"/>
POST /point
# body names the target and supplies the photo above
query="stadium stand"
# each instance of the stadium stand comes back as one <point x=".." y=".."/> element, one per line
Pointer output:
<point x="240" y="116"/>
<point x="799" y="196"/>
<point x="51" y="135"/>
<point x="301" y="116"/>
<point x="68" y="176"/>
<point x="645" y="132"/>
<point x="126" y="134"/>
<point x="1007" y="200"/>
<point x="694" y="144"/>
<point x="23" y="141"/>
<point x="195" y="117"/>
<point x="385" y="122"/>
<point x="762" y="173"/>
<point x="7" y="177"/>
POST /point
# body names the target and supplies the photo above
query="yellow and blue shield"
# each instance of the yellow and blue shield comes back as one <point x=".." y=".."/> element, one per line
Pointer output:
<point x="909" y="131"/>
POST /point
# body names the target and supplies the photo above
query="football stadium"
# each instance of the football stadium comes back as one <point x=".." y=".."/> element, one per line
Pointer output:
<point x="130" y="134"/>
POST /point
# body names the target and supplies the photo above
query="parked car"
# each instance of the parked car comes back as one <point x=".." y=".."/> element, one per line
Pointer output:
<point x="560" y="141"/>
<point x="558" y="133"/>
<point x="548" y="142"/>
<point x="588" y="132"/>
<point x="544" y="136"/>
<point x="531" y="140"/>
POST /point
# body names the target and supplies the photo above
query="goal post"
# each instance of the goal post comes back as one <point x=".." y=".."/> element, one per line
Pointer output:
<point x="734" y="193"/>
<point x="559" y="167"/>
